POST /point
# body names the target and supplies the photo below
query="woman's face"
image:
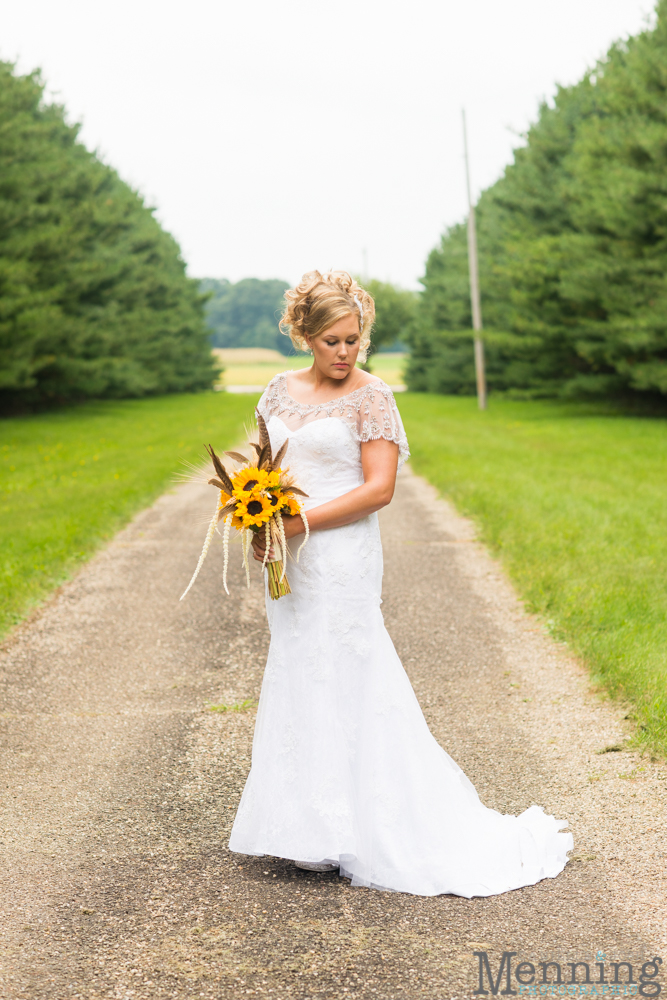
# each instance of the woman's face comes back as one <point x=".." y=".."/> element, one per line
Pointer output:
<point x="335" y="351"/>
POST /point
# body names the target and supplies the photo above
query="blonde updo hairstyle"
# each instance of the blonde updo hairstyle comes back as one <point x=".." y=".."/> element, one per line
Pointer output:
<point x="319" y="301"/>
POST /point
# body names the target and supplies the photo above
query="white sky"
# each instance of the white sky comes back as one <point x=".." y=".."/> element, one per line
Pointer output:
<point x="275" y="136"/>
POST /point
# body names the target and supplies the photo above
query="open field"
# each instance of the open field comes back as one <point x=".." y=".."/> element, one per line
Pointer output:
<point x="573" y="499"/>
<point x="257" y="366"/>
<point x="70" y="479"/>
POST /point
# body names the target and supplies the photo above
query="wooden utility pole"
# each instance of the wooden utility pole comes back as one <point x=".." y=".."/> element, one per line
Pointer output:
<point x="473" y="270"/>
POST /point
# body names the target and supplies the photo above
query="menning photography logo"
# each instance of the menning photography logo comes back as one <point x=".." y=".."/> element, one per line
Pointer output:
<point x="598" y="978"/>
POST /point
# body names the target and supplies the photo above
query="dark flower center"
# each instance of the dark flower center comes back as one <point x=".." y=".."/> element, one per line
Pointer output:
<point x="250" y="485"/>
<point x="274" y="499"/>
<point x="255" y="507"/>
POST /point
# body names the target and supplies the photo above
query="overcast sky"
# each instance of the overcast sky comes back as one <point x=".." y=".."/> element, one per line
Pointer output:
<point x="275" y="136"/>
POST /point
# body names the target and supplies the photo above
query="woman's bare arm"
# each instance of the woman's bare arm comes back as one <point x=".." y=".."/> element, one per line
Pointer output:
<point x="379" y="461"/>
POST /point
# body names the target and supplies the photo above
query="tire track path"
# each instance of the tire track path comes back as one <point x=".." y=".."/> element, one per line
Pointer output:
<point x="120" y="784"/>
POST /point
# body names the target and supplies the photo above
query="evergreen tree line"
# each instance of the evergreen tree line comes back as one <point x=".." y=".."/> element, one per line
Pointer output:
<point x="246" y="313"/>
<point x="572" y="247"/>
<point x="94" y="299"/>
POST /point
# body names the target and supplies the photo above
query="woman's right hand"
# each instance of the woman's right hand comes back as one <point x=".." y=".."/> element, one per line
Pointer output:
<point x="259" y="546"/>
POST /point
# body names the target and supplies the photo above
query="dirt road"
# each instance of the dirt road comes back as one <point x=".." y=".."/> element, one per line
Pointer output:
<point x="120" y="784"/>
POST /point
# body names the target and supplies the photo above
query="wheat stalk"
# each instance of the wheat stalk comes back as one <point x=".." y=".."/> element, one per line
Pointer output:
<point x="207" y="542"/>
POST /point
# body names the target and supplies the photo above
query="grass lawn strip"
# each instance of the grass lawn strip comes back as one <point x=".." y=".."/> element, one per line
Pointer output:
<point x="69" y="479"/>
<point x="573" y="498"/>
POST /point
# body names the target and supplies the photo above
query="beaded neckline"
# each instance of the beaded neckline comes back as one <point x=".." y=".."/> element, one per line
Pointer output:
<point x="279" y="383"/>
<point x="370" y="411"/>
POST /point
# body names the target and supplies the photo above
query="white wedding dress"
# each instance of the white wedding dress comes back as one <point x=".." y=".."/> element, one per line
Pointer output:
<point x="344" y="767"/>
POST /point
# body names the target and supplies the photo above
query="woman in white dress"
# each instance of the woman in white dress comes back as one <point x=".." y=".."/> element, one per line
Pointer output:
<point x="345" y="772"/>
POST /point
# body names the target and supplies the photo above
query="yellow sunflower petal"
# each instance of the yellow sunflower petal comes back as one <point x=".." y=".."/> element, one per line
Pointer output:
<point x="249" y="479"/>
<point x="255" y="509"/>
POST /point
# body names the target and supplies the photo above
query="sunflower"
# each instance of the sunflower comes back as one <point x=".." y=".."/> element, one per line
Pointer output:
<point x="237" y="522"/>
<point x="276" y="499"/>
<point x="285" y="502"/>
<point x="291" y="503"/>
<point x="248" y="480"/>
<point x="254" y="497"/>
<point x="255" y="509"/>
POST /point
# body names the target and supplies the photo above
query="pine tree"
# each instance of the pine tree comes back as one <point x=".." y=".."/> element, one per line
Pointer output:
<point x="94" y="299"/>
<point x="573" y="246"/>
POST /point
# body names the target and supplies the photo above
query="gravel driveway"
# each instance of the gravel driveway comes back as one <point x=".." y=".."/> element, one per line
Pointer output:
<point x="121" y="784"/>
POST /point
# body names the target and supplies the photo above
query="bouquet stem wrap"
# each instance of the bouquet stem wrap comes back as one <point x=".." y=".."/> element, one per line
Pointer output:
<point x="277" y="581"/>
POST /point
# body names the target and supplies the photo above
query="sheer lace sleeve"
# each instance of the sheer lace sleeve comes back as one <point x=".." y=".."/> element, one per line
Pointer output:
<point x="274" y="401"/>
<point x="264" y="406"/>
<point x="370" y="412"/>
<point x="378" y="417"/>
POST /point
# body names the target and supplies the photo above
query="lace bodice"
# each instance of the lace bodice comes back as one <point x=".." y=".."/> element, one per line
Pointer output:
<point x="369" y="412"/>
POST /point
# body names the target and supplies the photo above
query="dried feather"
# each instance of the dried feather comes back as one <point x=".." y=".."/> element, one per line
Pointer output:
<point x="280" y="455"/>
<point x="253" y="444"/>
<point x="296" y="490"/>
<point x="236" y="456"/>
<point x="264" y="457"/>
<point x="227" y="509"/>
<point x="219" y="467"/>
<point x="216" y="482"/>
<point x="263" y="433"/>
<point x="220" y="470"/>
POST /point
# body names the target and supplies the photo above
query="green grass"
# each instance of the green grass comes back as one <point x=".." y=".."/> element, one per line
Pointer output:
<point x="70" y="479"/>
<point x="237" y="706"/>
<point x="573" y="498"/>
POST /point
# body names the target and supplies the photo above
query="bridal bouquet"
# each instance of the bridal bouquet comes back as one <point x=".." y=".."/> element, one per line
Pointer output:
<point x="253" y="499"/>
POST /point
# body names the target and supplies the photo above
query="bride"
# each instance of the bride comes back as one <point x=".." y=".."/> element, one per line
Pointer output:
<point x="345" y="772"/>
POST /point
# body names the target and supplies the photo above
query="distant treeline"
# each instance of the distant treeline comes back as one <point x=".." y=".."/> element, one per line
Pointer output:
<point x="246" y="314"/>
<point x="94" y="300"/>
<point x="573" y="247"/>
